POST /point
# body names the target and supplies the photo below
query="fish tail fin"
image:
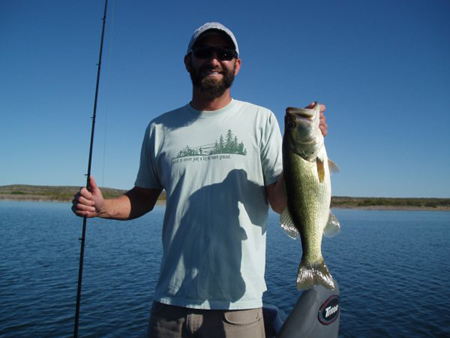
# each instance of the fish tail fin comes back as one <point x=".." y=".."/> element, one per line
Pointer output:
<point x="310" y="275"/>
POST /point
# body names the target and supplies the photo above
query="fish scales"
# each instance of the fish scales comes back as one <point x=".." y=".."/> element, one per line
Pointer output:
<point x="307" y="200"/>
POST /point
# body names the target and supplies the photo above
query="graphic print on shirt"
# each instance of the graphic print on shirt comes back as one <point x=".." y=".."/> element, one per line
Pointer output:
<point x="222" y="148"/>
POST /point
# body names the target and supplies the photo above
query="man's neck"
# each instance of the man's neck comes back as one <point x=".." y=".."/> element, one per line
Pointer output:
<point x="200" y="103"/>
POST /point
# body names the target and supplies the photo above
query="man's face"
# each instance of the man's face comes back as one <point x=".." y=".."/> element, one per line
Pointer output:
<point x="212" y="76"/>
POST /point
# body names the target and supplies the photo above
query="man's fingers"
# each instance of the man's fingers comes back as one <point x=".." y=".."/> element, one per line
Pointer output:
<point x="83" y="204"/>
<point x="86" y="214"/>
<point x="324" y="129"/>
<point x="322" y="107"/>
<point x="85" y="193"/>
<point x="84" y="210"/>
<point x="78" y="209"/>
<point x="92" y="183"/>
<point x="86" y="201"/>
<point x="323" y="126"/>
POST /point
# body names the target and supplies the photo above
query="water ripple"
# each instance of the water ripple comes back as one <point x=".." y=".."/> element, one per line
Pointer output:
<point x="392" y="268"/>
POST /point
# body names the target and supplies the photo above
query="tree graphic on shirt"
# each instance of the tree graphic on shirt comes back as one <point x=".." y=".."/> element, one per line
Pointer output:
<point x="223" y="145"/>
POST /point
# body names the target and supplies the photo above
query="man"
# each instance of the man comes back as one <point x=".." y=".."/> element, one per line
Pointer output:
<point x="219" y="161"/>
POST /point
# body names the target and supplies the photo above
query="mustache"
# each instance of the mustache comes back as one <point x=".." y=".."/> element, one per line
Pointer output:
<point x="207" y="68"/>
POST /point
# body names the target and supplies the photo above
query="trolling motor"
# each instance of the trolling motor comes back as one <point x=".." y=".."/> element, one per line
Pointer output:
<point x="315" y="315"/>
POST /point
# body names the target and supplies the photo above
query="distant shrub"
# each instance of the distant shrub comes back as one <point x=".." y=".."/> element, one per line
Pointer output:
<point x="18" y="193"/>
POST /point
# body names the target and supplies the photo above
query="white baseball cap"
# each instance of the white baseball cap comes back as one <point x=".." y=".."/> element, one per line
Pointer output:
<point x="212" y="26"/>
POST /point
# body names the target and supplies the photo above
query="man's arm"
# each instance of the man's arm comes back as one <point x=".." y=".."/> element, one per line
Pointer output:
<point x="133" y="204"/>
<point x="276" y="194"/>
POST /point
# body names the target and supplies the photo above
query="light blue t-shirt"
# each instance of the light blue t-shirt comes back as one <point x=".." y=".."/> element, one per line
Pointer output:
<point x="214" y="167"/>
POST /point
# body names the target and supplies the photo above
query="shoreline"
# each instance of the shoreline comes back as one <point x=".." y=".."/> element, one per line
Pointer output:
<point x="390" y="208"/>
<point x="40" y="199"/>
<point x="64" y="194"/>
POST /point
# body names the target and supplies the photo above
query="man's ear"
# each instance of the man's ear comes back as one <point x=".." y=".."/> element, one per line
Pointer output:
<point x="237" y="66"/>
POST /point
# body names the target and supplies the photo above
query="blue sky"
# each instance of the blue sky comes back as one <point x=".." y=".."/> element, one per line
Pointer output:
<point x="381" y="67"/>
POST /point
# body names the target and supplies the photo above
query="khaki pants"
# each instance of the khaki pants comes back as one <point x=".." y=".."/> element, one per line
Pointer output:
<point x="167" y="321"/>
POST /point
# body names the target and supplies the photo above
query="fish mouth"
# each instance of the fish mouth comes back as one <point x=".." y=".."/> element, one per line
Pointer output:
<point x="301" y="113"/>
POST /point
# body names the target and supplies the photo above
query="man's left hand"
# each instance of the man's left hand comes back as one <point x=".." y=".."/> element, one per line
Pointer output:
<point x="323" y="126"/>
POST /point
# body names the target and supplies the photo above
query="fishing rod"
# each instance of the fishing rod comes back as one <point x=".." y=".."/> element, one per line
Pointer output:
<point x="88" y="175"/>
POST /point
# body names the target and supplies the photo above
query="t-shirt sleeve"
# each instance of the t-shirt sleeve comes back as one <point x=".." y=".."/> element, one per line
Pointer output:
<point x="147" y="176"/>
<point x="271" y="150"/>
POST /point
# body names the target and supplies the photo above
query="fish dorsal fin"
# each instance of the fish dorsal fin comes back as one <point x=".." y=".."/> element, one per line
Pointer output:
<point x="333" y="166"/>
<point x="287" y="224"/>
<point x="333" y="227"/>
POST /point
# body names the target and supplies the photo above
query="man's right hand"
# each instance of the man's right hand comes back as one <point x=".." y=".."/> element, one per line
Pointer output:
<point x="88" y="203"/>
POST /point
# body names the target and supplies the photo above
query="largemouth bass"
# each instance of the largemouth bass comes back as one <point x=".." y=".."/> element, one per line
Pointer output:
<point x="308" y="187"/>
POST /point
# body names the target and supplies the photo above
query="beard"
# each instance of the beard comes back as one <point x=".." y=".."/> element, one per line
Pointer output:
<point x="210" y="88"/>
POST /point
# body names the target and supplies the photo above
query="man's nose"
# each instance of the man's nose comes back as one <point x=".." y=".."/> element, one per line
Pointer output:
<point x="214" y="58"/>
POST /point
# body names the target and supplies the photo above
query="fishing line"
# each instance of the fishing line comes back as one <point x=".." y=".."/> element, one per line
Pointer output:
<point x="88" y="176"/>
<point x="108" y="72"/>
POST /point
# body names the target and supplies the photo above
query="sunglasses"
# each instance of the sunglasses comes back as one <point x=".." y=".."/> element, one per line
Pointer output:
<point x="223" y="54"/>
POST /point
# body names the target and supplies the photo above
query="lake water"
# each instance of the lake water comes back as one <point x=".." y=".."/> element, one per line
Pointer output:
<point x="392" y="267"/>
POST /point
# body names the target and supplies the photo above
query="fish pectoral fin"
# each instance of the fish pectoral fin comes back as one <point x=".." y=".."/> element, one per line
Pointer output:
<point x="333" y="166"/>
<point x="320" y="170"/>
<point x="287" y="224"/>
<point x="333" y="226"/>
